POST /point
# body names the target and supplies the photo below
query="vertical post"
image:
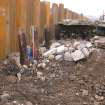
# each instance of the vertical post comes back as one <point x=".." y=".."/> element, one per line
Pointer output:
<point x="23" y="48"/>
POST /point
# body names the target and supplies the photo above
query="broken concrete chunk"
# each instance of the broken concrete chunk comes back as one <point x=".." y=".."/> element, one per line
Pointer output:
<point x="89" y="45"/>
<point x="51" y="57"/>
<point x="15" y="56"/>
<point x="42" y="65"/>
<point x="81" y="46"/>
<point x="71" y="49"/>
<point x="85" y="92"/>
<point x="42" y="50"/>
<point x="99" y="98"/>
<point x="61" y="49"/>
<point x="66" y="49"/>
<point x="19" y="76"/>
<point x="68" y="57"/>
<point x="50" y="52"/>
<point x="4" y="95"/>
<point x="54" y="45"/>
<point x="39" y="74"/>
<point x="25" y="66"/>
<point x="28" y="103"/>
<point x="76" y="44"/>
<point x="77" y="55"/>
<point x="85" y="52"/>
<point x="96" y="37"/>
<point x="59" y="57"/>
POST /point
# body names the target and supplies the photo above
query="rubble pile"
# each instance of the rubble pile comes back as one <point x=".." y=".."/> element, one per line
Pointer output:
<point x="68" y="50"/>
<point x="9" y="67"/>
<point x="55" y="79"/>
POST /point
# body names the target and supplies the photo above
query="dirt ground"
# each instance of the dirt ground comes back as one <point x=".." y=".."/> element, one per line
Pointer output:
<point x="63" y="83"/>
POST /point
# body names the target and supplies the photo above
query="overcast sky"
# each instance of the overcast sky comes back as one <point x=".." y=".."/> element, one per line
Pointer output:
<point x="87" y="7"/>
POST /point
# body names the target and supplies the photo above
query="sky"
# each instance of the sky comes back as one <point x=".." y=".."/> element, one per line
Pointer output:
<point x="87" y="7"/>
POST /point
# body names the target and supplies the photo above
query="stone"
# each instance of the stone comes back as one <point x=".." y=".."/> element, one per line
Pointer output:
<point x="77" y="55"/>
<point x="11" y="78"/>
<point x="35" y="62"/>
<point x="99" y="98"/>
<point x="85" y="92"/>
<point x="60" y="49"/>
<point x="96" y="37"/>
<point x="85" y="103"/>
<point x="59" y="57"/>
<point x="39" y="74"/>
<point x="66" y="49"/>
<point x="42" y="50"/>
<point x="28" y="103"/>
<point x="68" y="57"/>
<point x="54" y="45"/>
<point x="52" y="76"/>
<point x="43" y="78"/>
<point x="25" y="66"/>
<point x="77" y="94"/>
<point x="5" y="62"/>
<point x="19" y="76"/>
<point x="42" y="65"/>
<point x="85" y="52"/>
<point x="4" y="97"/>
<point x="89" y="45"/>
<point x="81" y="46"/>
<point x="51" y="57"/>
<point x="71" y="49"/>
<point x="76" y="44"/>
<point x="50" y="52"/>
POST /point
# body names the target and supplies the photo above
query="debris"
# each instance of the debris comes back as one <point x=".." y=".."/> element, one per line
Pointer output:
<point x="89" y="44"/>
<point x="77" y="94"/>
<point x="15" y="56"/>
<point x="19" y="76"/>
<point x="11" y="78"/>
<point x="55" y="45"/>
<point x="60" y="49"/>
<point x="42" y="65"/>
<point x="85" y="92"/>
<point x="59" y="57"/>
<point x="76" y="44"/>
<point x="25" y="66"/>
<point x="68" y="57"/>
<point x="10" y="67"/>
<point x="77" y="55"/>
<point x="85" y="52"/>
<point x="51" y="57"/>
<point x="42" y="50"/>
<point x="50" y="52"/>
<point x="99" y="98"/>
<point x="28" y="103"/>
<point x="71" y="49"/>
<point x="4" y="96"/>
<point x="39" y="74"/>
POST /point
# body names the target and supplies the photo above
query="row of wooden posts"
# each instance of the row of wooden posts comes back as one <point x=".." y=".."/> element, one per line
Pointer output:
<point x="22" y="14"/>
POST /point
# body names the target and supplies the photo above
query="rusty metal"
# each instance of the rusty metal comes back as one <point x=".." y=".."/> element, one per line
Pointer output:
<point x="23" y="48"/>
